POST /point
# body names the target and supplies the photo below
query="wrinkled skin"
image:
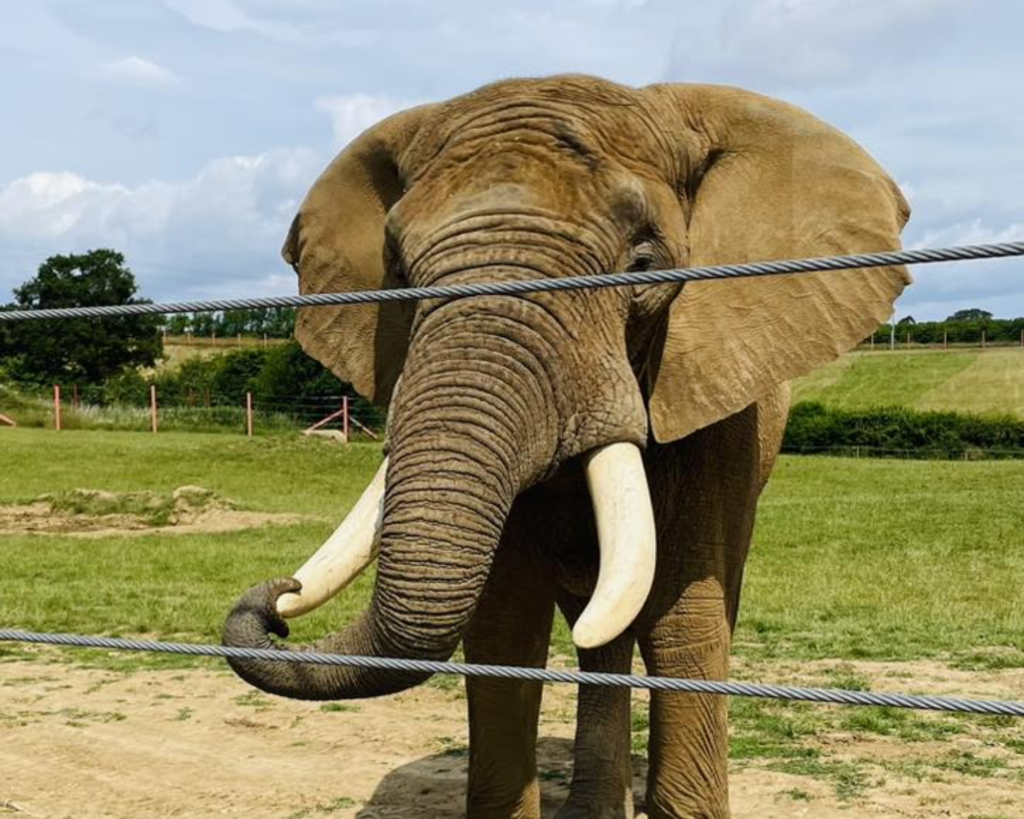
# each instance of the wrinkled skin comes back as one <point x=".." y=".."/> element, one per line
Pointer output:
<point x="487" y="520"/>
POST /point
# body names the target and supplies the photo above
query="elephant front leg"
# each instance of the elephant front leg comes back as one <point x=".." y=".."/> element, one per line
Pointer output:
<point x="511" y="626"/>
<point x="688" y="749"/>
<point x="602" y="777"/>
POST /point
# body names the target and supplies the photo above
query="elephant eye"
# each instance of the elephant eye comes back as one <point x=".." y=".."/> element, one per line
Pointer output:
<point x="644" y="257"/>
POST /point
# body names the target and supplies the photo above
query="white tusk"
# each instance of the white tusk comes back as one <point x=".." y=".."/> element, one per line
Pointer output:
<point x="345" y="554"/>
<point x="626" y="534"/>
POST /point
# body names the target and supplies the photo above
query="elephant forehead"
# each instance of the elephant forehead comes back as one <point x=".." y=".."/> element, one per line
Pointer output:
<point x="579" y="120"/>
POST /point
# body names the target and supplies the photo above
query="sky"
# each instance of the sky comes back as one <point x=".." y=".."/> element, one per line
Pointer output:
<point x="185" y="132"/>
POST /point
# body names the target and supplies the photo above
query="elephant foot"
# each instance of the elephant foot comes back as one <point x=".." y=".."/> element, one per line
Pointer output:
<point x="578" y="808"/>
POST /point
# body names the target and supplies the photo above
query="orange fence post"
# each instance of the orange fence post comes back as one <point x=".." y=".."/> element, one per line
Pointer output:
<point x="945" y="339"/>
<point x="152" y="408"/>
<point x="344" y="419"/>
<point x="983" y="339"/>
<point x="248" y="414"/>
<point x="56" y="407"/>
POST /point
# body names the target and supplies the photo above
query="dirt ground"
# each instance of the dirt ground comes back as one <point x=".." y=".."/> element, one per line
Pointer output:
<point x="79" y="743"/>
<point x="189" y="510"/>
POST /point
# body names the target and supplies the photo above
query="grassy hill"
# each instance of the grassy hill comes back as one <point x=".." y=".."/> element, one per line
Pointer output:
<point x="987" y="382"/>
<point x="178" y="349"/>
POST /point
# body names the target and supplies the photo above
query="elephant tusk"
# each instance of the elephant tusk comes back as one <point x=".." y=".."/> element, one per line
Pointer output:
<point x="344" y="555"/>
<point x="626" y="535"/>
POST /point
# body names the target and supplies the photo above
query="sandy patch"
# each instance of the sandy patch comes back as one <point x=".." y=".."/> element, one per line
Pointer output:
<point x="90" y="744"/>
<point x="95" y="513"/>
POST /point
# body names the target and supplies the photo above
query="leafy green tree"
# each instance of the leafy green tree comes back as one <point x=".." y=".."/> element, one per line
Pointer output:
<point x="237" y="374"/>
<point x="971" y="314"/>
<point x="84" y="350"/>
<point x="288" y="371"/>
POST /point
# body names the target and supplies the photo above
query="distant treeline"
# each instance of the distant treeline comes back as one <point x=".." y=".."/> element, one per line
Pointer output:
<point x="272" y="322"/>
<point x="279" y="371"/>
<point x="963" y="327"/>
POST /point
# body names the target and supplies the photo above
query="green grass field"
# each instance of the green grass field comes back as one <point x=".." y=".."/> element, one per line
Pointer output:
<point x="852" y="558"/>
<point x="979" y="381"/>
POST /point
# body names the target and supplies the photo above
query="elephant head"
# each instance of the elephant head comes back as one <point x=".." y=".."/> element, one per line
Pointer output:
<point x="488" y="396"/>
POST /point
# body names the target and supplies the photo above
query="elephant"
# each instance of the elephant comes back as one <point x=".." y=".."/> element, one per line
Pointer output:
<point x="601" y="451"/>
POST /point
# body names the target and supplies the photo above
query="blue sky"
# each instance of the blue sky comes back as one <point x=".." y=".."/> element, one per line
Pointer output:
<point x="185" y="132"/>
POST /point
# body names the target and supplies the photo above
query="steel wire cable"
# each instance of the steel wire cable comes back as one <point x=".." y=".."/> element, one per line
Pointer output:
<point x="736" y="689"/>
<point x="514" y="288"/>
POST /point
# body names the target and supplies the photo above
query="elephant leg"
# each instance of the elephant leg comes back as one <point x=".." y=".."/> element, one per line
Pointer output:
<point x="511" y="626"/>
<point x="688" y="748"/>
<point x="704" y="530"/>
<point x="602" y="777"/>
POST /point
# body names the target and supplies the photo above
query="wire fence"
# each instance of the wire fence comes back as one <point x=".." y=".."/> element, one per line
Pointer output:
<point x="518" y="288"/>
<point x="83" y="407"/>
<point x="1005" y="708"/>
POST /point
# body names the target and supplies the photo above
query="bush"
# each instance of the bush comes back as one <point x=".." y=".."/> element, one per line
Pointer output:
<point x="813" y="427"/>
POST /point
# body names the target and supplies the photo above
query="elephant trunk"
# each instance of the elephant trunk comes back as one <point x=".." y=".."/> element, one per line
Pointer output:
<point x="463" y="445"/>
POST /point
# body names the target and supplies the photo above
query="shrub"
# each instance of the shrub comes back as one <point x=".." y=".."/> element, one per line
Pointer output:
<point x="813" y="427"/>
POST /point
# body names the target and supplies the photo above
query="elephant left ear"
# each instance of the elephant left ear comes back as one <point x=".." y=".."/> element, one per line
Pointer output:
<point x="778" y="184"/>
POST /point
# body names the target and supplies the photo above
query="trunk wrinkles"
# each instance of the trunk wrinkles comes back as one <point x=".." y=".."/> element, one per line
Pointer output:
<point x="470" y="428"/>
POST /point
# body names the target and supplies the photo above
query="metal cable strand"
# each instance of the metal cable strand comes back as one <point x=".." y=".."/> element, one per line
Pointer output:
<point x="777" y="692"/>
<point x="457" y="291"/>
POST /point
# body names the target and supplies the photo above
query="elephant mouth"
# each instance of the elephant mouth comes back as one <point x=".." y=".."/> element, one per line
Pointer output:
<point x="624" y="519"/>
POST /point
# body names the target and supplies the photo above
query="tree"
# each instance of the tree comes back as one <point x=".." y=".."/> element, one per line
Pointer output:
<point x="87" y="350"/>
<point x="971" y="314"/>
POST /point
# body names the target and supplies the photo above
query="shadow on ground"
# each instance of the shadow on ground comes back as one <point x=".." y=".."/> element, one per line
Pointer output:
<point x="434" y="787"/>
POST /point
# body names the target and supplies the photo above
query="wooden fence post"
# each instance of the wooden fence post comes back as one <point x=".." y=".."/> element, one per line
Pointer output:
<point x="154" y="421"/>
<point x="56" y="407"/>
<point x="983" y="339"/>
<point x="945" y="339"/>
<point x="344" y="419"/>
<point x="248" y="414"/>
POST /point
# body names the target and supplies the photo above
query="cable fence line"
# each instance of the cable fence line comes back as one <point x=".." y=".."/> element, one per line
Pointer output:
<point x="515" y="288"/>
<point x="155" y="409"/>
<point x="833" y="696"/>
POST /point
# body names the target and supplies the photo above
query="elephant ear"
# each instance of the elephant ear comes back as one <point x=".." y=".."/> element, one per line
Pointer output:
<point x="336" y="244"/>
<point x="773" y="182"/>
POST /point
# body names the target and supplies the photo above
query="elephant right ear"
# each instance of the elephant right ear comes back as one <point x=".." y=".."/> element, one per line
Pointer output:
<point x="336" y="244"/>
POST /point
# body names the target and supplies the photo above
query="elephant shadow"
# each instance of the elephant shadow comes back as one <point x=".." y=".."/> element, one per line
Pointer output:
<point x="434" y="787"/>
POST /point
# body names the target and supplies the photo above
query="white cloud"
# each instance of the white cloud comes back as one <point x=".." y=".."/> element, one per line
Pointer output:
<point x="974" y="232"/>
<point x="138" y="70"/>
<point x="804" y="42"/>
<point x="352" y="114"/>
<point x="228" y="16"/>
<point x="219" y="231"/>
